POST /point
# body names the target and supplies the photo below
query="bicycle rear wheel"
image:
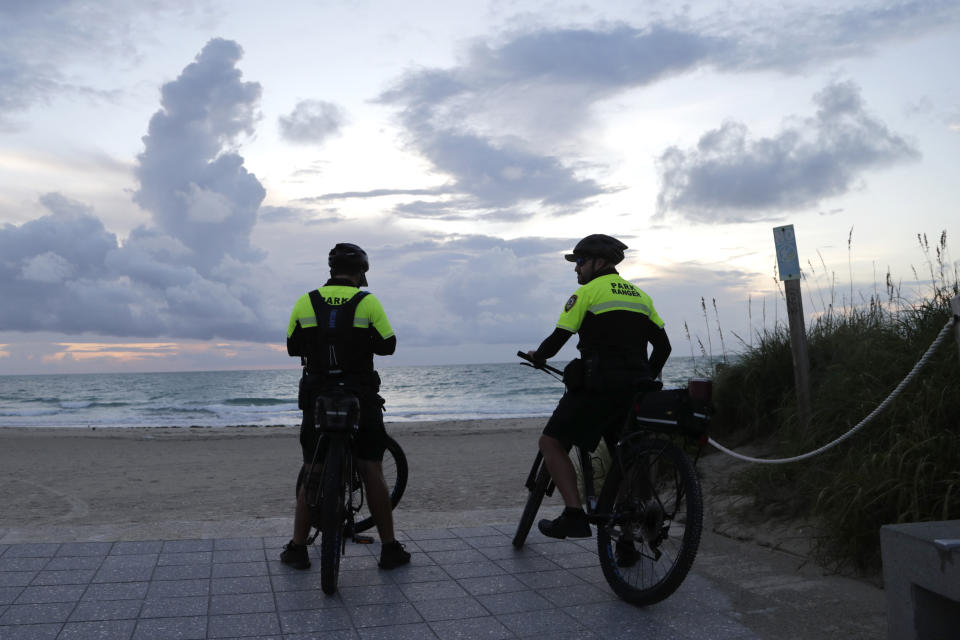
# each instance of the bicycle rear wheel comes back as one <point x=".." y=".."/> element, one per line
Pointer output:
<point x="654" y="511"/>
<point x="395" y="473"/>
<point x="532" y="507"/>
<point x="332" y="500"/>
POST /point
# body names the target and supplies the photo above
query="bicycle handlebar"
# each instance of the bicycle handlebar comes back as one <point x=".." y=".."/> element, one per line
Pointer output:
<point x="538" y="365"/>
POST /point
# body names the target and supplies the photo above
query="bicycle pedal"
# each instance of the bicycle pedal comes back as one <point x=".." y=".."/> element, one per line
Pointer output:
<point x="362" y="539"/>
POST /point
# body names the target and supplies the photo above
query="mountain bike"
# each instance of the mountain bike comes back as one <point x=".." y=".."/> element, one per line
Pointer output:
<point x="649" y="512"/>
<point x="335" y="495"/>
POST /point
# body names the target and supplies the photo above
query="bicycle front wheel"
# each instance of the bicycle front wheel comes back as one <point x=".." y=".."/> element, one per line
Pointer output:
<point x="332" y="500"/>
<point x="530" y="510"/>
<point x="653" y="510"/>
<point x="395" y="473"/>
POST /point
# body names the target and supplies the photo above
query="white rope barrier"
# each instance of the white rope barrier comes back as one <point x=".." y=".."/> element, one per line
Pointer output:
<point x="873" y="414"/>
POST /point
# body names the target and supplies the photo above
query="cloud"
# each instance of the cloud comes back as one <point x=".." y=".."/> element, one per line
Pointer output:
<point x="312" y="122"/>
<point x="188" y="274"/>
<point x="195" y="189"/>
<point x="729" y="177"/>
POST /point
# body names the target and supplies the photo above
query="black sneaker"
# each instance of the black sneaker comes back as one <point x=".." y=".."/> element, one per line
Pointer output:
<point x="393" y="555"/>
<point x="295" y="555"/>
<point x="625" y="554"/>
<point x="572" y="523"/>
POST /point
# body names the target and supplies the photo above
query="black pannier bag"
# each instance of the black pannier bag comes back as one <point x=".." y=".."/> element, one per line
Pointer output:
<point x="680" y="411"/>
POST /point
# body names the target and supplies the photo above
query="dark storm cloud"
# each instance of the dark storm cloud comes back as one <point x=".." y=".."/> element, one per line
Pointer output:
<point x="312" y="122"/>
<point x="543" y="84"/>
<point x="188" y="275"/>
<point x="729" y="177"/>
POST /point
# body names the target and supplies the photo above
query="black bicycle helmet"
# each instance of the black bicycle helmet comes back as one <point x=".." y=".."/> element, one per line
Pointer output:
<point x="598" y="245"/>
<point x="349" y="258"/>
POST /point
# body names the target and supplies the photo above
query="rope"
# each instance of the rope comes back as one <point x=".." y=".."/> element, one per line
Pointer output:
<point x="873" y="414"/>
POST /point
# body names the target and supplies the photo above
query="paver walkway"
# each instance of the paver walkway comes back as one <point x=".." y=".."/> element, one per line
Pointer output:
<point x="463" y="582"/>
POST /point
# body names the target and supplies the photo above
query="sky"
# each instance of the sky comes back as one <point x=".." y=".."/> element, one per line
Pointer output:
<point x="173" y="173"/>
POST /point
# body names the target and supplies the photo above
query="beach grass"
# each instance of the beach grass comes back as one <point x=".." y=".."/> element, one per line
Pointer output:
<point x="904" y="466"/>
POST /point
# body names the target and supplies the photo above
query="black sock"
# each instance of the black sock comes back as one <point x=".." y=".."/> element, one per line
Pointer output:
<point x="573" y="511"/>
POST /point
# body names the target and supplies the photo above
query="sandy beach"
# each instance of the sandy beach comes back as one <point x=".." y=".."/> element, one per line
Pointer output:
<point x="68" y="478"/>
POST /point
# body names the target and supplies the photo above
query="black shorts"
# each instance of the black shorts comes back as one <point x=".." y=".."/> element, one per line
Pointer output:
<point x="583" y="417"/>
<point x="371" y="439"/>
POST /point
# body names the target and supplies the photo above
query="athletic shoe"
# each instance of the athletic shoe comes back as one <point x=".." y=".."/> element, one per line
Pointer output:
<point x="295" y="555"/>
<point x="572" y="523"/>
<point x="393" y="555"/>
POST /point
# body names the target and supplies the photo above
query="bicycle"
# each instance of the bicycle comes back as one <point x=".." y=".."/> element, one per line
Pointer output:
<point x="337" y="500"/>
<point x="649" y="514"/>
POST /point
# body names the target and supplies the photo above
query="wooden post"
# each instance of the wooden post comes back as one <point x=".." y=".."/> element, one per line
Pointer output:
<point x="789" y="267"/>
<point x="955" y="305"/>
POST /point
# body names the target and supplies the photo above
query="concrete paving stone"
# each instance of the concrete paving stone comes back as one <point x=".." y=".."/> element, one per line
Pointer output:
<point x="295" y="581"/>
<point x="9" y="594"/>
<point x="491" y="584"/>
<point x="378" y="615"/>
<point x="51" y="593"/>
<point x="555" y="548"/>
<point x="194" y="628"/>
<point x="544" y="622"/>
<point x="455" y="557"/>
<point x="443" y="544"/>
<point x="187" y="557"/>
<point x="416" y="591"/>
<point x="183" y="607"/>
<point x="275" y="542"/>
<point x="36" y="613"/>
<point x="336" y="634"/>
<point x="371" y="594"/>
<point x="503" y="603"/>
<point x="362" y="577"/>
<point x="429" y="534"/>
<point x="32" y="550"/>
<point x="182" y="572"/>
<point x="616" y="620"/>
<point x="527" y="564"/>
<point x="239" y="569"/>
<point x="354" y="562"/>
<point x="243" y="624"/>
<point x="242" y="603"/>
<point x="577" y="560"/>
<point x="312" y="599"/>
<point x="130" y="560"/>
<point x="106" y="610"/>
<point x="178" y="588"/>
<point x="116" y="591"/>
<point x="75" y="576"/>
<point x="580" y="634"/>
<point x="16" y="563"/>
<point x="17" y="578"/>
<point x="412" y="573"/>
<point x="74" y="549"/>
<point x="473" y="532"/>
<point x="249" y="584"/>
<point x="576" y="594"/>
<point x="226" y="544"/>
<point x="502" y="552"/>
<point x="31" y="632"/>
<point x="450" y="609"/>
<point x="482" y="542"/>
<point x="186" y="546"/>
<point x="3" y="549"/>
<point x="239" y="555"/>
<point x="721" y="627"/>
<point x="470" y="629"/>
<point x="136" y="548"/>
<point x="98" y="630"/>
<point x="418" y="631"/>
<point x="74" y="562"/>
<point x="559" y="578"/>
<point x="592" y="574"/>
<point x="474" y="569"/>
<point x="313" y="621"/>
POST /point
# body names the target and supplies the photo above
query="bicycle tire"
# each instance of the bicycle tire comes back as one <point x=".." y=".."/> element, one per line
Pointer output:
<point x="534" y="500"/>
<point x="395" y="473"/>
<point x="332" y="516"/>
<point x="663" y="528"/>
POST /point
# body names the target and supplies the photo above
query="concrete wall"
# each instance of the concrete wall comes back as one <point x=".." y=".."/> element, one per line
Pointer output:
<point x="921" y="574"/>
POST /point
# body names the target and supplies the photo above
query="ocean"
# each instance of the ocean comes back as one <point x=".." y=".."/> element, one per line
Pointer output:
<point x="269" y="397"/>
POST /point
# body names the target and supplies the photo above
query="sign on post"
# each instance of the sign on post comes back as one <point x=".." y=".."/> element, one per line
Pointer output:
<point x="788" y="265"/>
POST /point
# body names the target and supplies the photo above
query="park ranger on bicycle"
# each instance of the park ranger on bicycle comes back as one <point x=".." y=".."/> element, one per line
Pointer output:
<point x="615" y="322"/>
<point x="336" y="330"/>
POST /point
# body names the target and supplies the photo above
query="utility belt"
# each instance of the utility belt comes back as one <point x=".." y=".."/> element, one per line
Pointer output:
<point x="312" y="383"/>
<point x="606" y="371"/>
